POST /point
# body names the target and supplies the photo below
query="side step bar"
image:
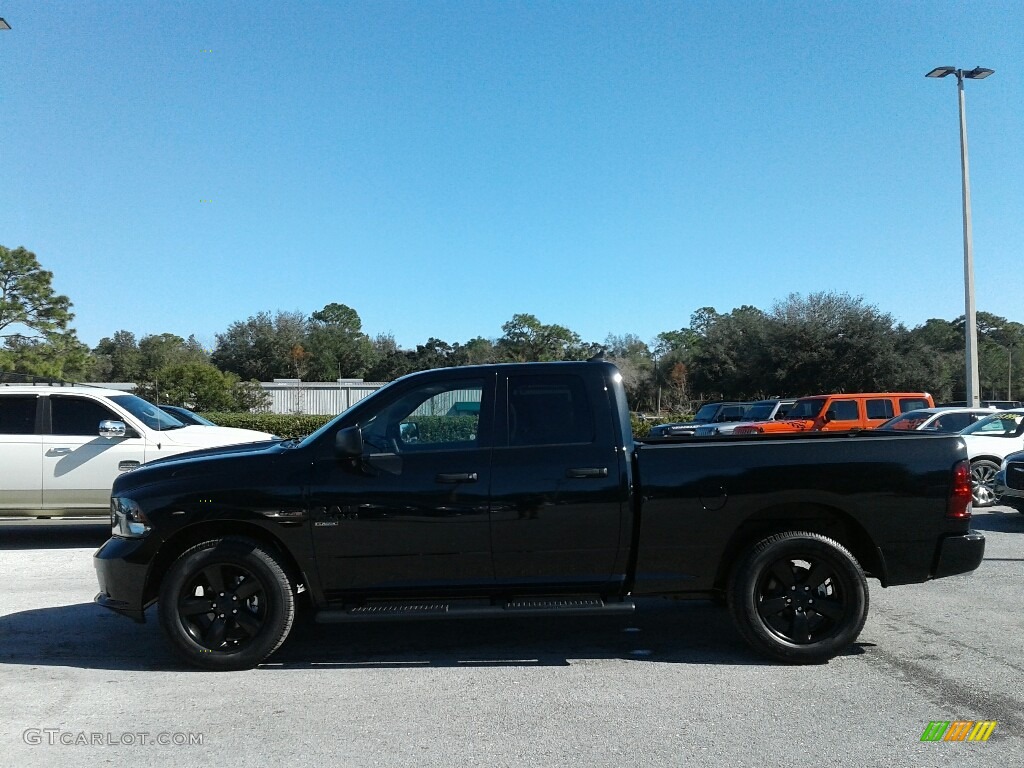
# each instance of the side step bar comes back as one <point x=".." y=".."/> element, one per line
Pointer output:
<point x="386" y="610"/>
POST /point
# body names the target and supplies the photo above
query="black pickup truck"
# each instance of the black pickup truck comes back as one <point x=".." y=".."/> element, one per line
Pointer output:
<point x="536" y="500"/>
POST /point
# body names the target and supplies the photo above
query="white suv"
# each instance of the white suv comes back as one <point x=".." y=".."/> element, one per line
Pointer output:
<point x="61" y="446"/>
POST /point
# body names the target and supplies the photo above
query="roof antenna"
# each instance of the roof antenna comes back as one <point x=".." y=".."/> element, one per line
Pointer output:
<point x="598" y="357"/>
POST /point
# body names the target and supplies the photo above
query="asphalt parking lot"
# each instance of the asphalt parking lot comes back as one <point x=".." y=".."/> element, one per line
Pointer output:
<point x="670" y="685"/>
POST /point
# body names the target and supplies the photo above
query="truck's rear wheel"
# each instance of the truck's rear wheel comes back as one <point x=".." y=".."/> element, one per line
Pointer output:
<point x="798" y="597"/>
<point x="226" y="604"/>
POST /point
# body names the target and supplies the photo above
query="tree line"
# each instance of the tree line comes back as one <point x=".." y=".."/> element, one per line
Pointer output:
<point x="822" y="342"/>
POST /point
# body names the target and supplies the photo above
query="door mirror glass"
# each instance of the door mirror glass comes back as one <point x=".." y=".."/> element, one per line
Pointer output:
<point x="110" y="428"/>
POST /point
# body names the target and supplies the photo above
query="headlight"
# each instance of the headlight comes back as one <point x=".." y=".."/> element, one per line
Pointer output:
<point x="127" y="518"/>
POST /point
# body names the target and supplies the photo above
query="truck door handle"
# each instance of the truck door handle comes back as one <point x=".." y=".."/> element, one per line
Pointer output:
<point x="587" y="472"/>
<point x="457" y="477"/>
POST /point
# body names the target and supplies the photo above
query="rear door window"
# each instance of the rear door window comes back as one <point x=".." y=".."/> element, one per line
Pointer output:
<point x="549" y="410"/>
<point x="879" y="408"/>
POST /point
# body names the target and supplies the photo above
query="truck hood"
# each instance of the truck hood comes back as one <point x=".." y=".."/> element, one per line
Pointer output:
<point x="196" y="436"/>
<point x="198" y="463"/>
<point x="214" y="452"/>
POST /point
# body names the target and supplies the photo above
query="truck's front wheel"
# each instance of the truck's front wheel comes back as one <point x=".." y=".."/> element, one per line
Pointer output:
<point x="226" y="604"/>
<point x="798" y="597"/>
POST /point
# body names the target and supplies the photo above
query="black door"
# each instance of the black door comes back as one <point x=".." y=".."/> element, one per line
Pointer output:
<point x="412" y="514"/>
<point x="558" y="489"/>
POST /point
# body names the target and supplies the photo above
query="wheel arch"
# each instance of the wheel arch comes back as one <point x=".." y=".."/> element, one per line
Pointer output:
<point x="814" y="518"/>
<point x="194" y="534"/>
<point x="997" y="460"/>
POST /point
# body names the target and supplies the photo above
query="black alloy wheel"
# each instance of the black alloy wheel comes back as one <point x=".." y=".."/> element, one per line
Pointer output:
<point x="226" y="604"/>
<point x="798" y="597"/>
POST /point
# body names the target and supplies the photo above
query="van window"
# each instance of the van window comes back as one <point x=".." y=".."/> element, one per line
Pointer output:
<point x="17" y="415"/>
<point x="880" y="408"/>
<point x="913" y="403"/>
<point x="843" y="410"/>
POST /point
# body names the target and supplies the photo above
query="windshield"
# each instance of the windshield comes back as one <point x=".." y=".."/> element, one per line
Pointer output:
<point x="806" y="409"/>
<point x="706" y="414"/>
<point x="759" y="412"/>
<point x="908" y="420"/>
<point x="1008" y="424"/>
<point x="147" y="413"/>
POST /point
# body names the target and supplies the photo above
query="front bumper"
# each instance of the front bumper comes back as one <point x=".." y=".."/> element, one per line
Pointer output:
<point x="122" y="569"/>
<point x="1007" y="496"/>
<point x="959" y="554"/>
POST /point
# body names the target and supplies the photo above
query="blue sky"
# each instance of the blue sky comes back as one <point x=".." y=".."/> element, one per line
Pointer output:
<point x="441" y="166"/>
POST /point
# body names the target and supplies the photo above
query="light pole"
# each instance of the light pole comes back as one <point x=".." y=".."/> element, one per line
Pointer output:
<point x="970" y="313"/>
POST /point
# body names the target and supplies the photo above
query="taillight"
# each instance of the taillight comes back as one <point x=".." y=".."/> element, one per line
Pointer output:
<point x="959" y="505"/>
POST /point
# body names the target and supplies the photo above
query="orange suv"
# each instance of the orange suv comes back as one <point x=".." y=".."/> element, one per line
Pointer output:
<point x="841" y="412"/>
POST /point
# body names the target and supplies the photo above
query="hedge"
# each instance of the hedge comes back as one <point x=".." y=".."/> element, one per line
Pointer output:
<point x="281" y="424"/>
<point x="445" y="429"/>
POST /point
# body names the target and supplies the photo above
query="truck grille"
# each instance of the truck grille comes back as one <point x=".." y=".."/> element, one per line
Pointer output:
<point x="1015" y="475"/>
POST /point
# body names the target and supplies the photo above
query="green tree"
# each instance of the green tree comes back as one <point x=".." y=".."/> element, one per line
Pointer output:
<point x="261" y="347"/>
<point x="526" y="339"/>
<point x="34" y="321"/>
<point x="200" y="386"/>
<point x="387" y="361"/>
<point x="336" y="344"/>
<point x="119" y="357"/>
<point x="29" y="308"/>
<point x="60" y="356"/>
<point x="635" y="362"/>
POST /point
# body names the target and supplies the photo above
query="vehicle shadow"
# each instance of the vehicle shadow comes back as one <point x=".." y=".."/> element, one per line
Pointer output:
<point x="89" y="637"/>
<point x="998" y="519"/>
<point x="30" y="533"/>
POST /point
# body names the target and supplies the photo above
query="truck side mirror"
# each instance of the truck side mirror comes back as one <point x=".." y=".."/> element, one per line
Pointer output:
<point x="349" y="442"/>
<point x="111" y="428"/>
<point x="830" y="415"/>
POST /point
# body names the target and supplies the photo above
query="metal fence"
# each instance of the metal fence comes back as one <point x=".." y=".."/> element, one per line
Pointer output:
<point x="326" y="398"/>
<point x="316" y="397"/>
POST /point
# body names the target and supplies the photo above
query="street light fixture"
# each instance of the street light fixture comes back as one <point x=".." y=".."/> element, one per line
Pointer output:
<point x="970" y="313"/>
<point x="4" y="24"/>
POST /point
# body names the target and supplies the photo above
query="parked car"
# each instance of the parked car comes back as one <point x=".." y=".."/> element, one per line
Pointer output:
<point x="62" y="446"/>
<point x="938" y="419"/>
<point x="185" y="416"/>
<point x="710" y="413"/>
<point x="989" y="441"/>
<point x="841" y="412"/>
<point x="543" y="505"/>
<point x="762" y="410"/>
<point x="1009" y="482"/>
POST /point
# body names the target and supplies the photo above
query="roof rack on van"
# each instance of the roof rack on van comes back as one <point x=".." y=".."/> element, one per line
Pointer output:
<point x="9" y="377"/>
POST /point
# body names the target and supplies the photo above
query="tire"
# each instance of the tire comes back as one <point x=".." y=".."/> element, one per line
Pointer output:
<point x="798" y="597"/>
<point x="226" y="604"/>
<point x="983" y="482"/>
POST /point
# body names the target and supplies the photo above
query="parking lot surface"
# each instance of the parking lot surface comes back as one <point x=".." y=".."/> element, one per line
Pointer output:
<point x="671" y="685"/>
